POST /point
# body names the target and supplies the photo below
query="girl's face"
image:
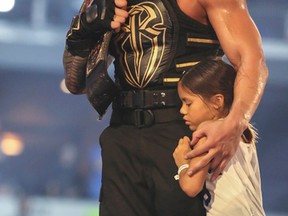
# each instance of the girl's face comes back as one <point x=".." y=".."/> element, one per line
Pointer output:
<point x="194" y="109"/>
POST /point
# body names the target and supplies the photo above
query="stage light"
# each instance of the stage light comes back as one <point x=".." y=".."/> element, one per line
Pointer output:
<point x="11" y="144"/>
<point x="6" y="5"/>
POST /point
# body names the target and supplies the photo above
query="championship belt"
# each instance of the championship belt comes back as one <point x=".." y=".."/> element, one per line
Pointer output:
<point x="100" y="88"/>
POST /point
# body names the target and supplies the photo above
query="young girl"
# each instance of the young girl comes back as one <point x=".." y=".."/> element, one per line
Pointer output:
<point x="206" y="92"/>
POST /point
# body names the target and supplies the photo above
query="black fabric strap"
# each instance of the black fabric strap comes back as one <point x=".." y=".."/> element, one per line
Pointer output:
<point x="145" y="117"/>
<point x="144" y="99"/>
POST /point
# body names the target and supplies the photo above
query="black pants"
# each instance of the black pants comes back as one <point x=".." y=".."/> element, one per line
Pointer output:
<point x="138" y="172"/>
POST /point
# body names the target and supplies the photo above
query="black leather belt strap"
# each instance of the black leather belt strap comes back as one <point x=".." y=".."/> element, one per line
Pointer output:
<point x="145" y="99"/>
<point x="145" y="117"/>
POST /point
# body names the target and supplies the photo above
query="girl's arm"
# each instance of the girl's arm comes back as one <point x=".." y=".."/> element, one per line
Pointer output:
<point x="194" y="184"/>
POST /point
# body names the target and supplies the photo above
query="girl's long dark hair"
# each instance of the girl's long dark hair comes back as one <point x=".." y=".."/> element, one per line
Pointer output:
<point x="212" y="77"/>
<point x="209" y="78"/>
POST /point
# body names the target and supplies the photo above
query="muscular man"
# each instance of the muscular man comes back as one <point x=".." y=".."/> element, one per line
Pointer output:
<point x="153" y="43"/>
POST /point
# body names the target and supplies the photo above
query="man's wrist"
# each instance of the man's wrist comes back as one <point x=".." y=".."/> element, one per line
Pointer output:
<point x="238" y="120"/>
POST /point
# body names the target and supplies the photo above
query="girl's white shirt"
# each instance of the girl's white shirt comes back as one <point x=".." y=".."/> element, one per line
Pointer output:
<point x="237" y="192"/>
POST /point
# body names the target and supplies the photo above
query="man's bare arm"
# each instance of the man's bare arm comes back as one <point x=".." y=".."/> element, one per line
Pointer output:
<point x="241" y="42"/>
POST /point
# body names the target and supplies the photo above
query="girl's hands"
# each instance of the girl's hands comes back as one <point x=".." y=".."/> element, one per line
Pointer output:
<point x="181" y="150"/>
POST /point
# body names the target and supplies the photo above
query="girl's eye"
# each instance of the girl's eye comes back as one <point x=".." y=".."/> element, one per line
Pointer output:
<point x="188" y="104"/>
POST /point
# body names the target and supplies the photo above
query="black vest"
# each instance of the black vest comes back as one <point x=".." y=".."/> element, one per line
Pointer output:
<point x="157" y="43"/>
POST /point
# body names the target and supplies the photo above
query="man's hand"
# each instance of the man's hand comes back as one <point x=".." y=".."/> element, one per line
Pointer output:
<point x="223" y="138"/>
<point x="120" y="14"/>
<point x="104" y="15"/>
<point x="93" y="22"/>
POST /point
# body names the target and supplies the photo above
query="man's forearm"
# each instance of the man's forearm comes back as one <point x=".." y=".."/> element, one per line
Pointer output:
<point x="86" y="28"/>
<point x="75" y="72"/>
<point x="248" y="90"/>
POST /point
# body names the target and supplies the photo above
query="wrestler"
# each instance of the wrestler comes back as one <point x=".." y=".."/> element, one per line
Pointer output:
<point x="153" y="43"/>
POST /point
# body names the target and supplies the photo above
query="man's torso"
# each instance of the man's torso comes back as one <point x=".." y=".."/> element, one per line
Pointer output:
<point x="159" y="40"/>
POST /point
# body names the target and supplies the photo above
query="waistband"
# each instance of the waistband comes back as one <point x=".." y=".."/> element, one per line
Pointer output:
<point x="145" y="117"/>
<point x="147" y="99"/>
